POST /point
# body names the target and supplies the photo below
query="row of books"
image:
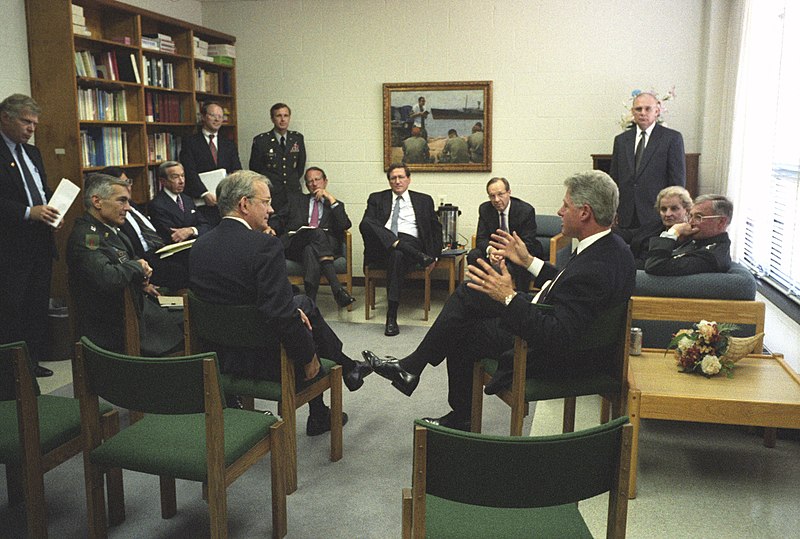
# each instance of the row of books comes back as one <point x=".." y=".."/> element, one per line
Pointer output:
<point x="159" y="107"/>
<point x="152" y="182"/>
<point x="157" y="72"/>
<point x="163" y="147"/>
<point x="104" y="146"/>
<point x="212" y="82"/>
<point x="96" y="104"/>
<point x="109" y="65"/>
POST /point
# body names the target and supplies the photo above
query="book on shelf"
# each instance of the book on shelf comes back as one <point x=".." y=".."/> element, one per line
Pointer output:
<point x="163" y="147"/>
<point x="149" y="43"/>
<point x="77" y="10"/>
<point x="96" y="104"/>
<point x="222" y="49"/>
<point x="78" y="20"/>
<point x="135" y="67"/>
<point x="223" y="60"/>
<point x="104" y="146"/>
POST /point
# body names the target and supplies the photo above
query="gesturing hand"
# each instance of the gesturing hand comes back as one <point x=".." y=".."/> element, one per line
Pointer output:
<point x="511" y="247"/>
<point x="487" y="280"/>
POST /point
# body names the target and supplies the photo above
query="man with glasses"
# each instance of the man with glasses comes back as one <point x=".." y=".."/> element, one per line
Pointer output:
<point x="698" y="246"/>
<point x="510" y="214"/>
<point x="401" y="231"/>
<point x="206" y="151"/>
<point x="646" y="158"/>
<point x="171" y="210"/>
<point x="102" y="264"/>
<point x="237" y="263"/>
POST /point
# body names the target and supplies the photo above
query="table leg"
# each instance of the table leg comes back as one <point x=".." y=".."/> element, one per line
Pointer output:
<point x="634" y="400"/>
<point x="452" y="271"/>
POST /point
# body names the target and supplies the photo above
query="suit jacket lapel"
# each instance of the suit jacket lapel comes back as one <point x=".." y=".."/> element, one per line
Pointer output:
<point x="630" y="148"/>
<point x="11" y="166"/>
<point x="652" y="145"/>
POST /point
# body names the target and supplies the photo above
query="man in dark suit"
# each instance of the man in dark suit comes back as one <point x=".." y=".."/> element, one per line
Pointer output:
<point x="510" y="214"/>
<point x="280" y="155"/>
<point x="172" y="211"/>
<point x="483" y="316"/>
<point x="646" y="158"/>
<point x="236" y="263"/>
<point x="316" y="247"/>
<point x="102" y="264"/>
<point x="26" y="237"/>
<point x="206" y="151"/>
<point x="171" y="272"/>
<point x="400" y="231"/>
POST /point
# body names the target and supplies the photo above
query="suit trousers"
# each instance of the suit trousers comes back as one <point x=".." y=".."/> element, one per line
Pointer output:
<point x="308" y="247"/>
<point x="378" y="250"/>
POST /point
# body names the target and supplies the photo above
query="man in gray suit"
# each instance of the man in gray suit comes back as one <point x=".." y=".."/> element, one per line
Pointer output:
<point x="646" y="158"/>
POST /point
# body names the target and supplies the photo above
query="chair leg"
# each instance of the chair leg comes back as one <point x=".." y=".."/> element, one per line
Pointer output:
<point x="407" y="513"/>
<point x="336" y="413"/>
<point x="114" y="485"/>
<point x="16" y="493"/>
<point x="427" y="295"/>
<point x="569" y="414"/>
<point x="367" y="296"/>
<point x="278" y="469"/>
<point x="169" y="503"/>
<point x="476" y="418"/>
<point x="33" y="491"/>
<point x="289" y="415"/>
<point x="95" y="500"/>
<point x="217" y="508"/>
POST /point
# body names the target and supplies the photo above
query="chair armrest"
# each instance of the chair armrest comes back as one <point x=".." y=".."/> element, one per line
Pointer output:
<point x="348" y="251"/>
<point x="474" y="240"/>
<point x="558" y="242"/>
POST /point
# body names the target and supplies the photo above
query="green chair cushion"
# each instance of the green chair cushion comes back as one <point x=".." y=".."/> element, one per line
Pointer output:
<point x="540" y="389"/>
<point x="175" y="446"/>
<point x="446" y="519"/>
<point x="59" y="422"/>
<point x="262" y="389"/>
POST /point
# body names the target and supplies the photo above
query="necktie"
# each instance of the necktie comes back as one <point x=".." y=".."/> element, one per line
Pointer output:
<point x="503" y="225"/>
<point x="154" y="241"/>
<point x="396" y="214"/>
<point x="212" y="147"/>
<point x="36" y="197"/>
<point x="549" y="287"/>
<point x="283" y="144"/>
<point x="180" y="203"/>
<point x="315" y="215"/>
<point x="639" y="151"/>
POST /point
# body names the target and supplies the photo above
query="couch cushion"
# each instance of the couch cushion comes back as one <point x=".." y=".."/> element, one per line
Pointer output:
<point x="738" y="284"/>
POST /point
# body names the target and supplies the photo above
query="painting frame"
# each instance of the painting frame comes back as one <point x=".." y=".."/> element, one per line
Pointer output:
<point x="446" y="107"/>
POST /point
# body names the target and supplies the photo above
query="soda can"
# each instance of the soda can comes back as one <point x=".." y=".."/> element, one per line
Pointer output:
<point x="636" y="341"/>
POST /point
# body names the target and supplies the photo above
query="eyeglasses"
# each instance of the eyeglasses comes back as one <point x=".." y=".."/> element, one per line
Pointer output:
<point x="700" y="218"/>
<point x="395" y="178"/>
<point x="265" y="201"/>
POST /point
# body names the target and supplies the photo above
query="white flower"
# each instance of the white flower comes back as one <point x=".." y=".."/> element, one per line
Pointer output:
<point x="684" y="344"/>
<point x="710" y="365"/>
<point x="707" y="329"/>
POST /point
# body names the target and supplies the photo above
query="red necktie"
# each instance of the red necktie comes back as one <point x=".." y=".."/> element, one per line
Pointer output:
<point x="212" y="147"/>
<point x="315" y="215"/>
<point x="180" y="204"/>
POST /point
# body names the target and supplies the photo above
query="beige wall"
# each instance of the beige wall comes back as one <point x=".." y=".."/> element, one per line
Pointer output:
<point x="561" y="70"/>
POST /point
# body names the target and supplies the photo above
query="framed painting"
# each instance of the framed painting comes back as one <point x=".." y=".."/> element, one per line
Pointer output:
<point x="438" y="126"/>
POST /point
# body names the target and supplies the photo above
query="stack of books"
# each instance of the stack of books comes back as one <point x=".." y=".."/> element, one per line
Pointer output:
<point x="79" y="22"/>
<point x="222" y="53"/>
<point x="201" y="50"/>
<point x="161" y="42"/>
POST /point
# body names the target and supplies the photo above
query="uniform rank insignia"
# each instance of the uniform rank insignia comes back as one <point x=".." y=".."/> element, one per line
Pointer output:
<point x="92" y="241"/>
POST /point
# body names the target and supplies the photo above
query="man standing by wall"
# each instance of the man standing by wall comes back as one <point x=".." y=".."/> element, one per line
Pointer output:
<point x="26" y="237"/>
<point x="646" y="158"/>
<point x="280" y="155"/>
<point x="206" y="151"/>
<point x="400" y="231"/>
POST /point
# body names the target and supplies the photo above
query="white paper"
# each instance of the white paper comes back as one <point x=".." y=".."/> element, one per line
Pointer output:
<point x="211" y="180"/>
<point x="62" y="199"/>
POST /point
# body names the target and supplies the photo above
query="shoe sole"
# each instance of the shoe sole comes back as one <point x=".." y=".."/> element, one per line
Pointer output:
<point x="403" y="389"/>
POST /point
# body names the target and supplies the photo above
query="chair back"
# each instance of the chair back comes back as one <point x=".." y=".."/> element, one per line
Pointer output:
<point x="8" y="353"/>
<point x="520" y="472"/>
<point x="172" y="385"/>
<point x="210" y="325"/>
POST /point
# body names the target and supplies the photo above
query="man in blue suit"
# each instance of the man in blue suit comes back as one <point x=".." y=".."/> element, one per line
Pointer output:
<point x="646" y="158"/>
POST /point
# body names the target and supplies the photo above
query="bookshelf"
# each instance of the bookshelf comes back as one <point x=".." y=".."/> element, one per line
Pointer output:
<point x="120" y="85"/>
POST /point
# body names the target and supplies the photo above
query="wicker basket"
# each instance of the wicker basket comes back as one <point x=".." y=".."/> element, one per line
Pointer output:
<point x="739" y="347"/>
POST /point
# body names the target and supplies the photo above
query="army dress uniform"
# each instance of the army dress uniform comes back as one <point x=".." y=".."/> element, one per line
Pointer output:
<point x="283" y="165"/>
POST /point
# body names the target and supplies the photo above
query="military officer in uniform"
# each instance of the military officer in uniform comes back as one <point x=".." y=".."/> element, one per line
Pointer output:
<point x="280" y="155"/>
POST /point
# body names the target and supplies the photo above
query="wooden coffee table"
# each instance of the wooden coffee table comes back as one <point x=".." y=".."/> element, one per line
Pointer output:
<point x="764" y="392"/>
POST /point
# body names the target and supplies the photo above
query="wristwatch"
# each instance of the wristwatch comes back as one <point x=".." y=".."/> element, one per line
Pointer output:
<point x="509" y="297"/>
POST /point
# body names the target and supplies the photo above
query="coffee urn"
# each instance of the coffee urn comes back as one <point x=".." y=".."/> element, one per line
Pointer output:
<point x="448" y="216"/>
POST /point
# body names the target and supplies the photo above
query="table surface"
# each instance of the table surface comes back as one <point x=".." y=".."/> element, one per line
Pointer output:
<point x="758" y="381"/>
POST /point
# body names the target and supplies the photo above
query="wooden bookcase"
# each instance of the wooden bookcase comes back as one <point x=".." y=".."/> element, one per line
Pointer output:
<point x="116" y="35"/>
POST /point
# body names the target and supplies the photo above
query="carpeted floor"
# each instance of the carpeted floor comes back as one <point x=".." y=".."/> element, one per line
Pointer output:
<point x="694" y="480"/>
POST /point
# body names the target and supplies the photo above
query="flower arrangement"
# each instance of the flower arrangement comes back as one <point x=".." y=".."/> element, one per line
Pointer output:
<point x="704" y="347"/>
<point x="626" y="120"/>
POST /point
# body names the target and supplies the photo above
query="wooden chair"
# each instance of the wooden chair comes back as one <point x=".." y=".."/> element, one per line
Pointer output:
<point x="372" y="274"/>
<point x="473" y="485"/>
<point x="208" y="326"/>
<point x="610" y="330"/>
<point x="39" y="432"/>
<point x="343" y="265"/>
<point x="186" y="431"/>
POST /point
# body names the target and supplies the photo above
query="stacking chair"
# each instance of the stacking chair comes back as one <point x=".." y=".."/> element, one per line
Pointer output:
<point x="373" y="273"/>
<point x="39" y="432"/>
<point x="610" y="329"/>
<point x="472" y="485"/>
<point x="343" y="264"/>
<point x="208" y="326"/>
<point x="186" y="431"/>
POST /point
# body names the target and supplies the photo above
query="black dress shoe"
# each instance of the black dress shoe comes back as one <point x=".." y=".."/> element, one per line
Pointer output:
<point x="451" y="421"/>
<point x="343" y="299"/>
<point x="42" y="372"/>
<point x="355" y="378"/>
<point x="391" y="328"/>
<point x="500" y="381"/>
<point x="321" y="423"/>
<point x="389" y="367"/>
<point x="426" y="260"/>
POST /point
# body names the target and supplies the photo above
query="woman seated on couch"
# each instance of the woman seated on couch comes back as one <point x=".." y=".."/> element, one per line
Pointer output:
<point x="672" y="204"/>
